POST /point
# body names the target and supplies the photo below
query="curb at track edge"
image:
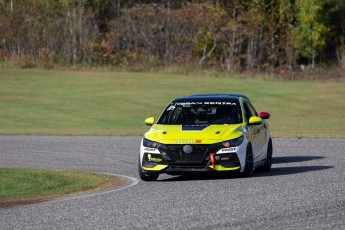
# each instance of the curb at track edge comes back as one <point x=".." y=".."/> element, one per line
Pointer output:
<point x="134" y="182"/>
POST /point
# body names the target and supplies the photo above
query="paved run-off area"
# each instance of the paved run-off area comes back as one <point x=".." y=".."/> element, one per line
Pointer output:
<point x="304" y="190"/>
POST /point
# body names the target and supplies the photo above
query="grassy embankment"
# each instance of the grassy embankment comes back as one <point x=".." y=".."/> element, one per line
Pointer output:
<point x="20" y="186"/>
<point x="34" y="102"/>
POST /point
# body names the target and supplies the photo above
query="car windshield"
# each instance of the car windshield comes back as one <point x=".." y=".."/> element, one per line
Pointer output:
<point x="202" y="113"/>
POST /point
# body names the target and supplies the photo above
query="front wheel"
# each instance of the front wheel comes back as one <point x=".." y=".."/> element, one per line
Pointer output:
<point x="268" y="163"/>
<point x="146" y="176"/>
<point x="249" y="165"/>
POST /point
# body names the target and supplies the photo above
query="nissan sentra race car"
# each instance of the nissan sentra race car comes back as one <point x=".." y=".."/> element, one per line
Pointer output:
<point x="206" y="133"/>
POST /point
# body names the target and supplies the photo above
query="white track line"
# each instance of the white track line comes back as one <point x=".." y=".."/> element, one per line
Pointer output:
<point x="134" y="182"/>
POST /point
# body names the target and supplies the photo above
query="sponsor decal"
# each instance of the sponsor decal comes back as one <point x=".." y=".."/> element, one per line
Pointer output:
<point x="188" y="104"/>
<point x="219" y="103"/>
<point x="149" y="149"/>
<point x="228" y="150"/>
<point x="172" y="107"/>
<point x="188" y="141"/>
<point x="224" y="156"/>
<point x="154" y="159"/>
<point x="185" y="141"/>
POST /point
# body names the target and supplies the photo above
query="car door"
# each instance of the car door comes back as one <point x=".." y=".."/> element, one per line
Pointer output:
<point x="261" y="135"/>
<point x="257" y="132"/>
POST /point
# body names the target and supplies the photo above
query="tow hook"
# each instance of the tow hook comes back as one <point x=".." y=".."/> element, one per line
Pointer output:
<point x="212" y="160"/>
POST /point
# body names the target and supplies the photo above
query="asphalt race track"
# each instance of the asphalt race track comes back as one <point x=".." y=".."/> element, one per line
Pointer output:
<point x="304" y="190"/>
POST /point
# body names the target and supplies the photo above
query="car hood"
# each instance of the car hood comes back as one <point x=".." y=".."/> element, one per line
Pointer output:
<point x="178" y="134"/>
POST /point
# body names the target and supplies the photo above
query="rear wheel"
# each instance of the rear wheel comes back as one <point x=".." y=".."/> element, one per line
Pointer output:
<point x="146" y="176"/>
<point x="268" y="163"/>
<point x="249" y="165"/>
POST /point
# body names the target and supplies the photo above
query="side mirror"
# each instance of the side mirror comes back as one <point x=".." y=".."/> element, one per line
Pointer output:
<point x="150" y="121"/>
<point x="264" y="115"/>
<point x="255" y="120"/>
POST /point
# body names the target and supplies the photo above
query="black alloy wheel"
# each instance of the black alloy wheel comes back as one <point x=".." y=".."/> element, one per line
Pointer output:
<point x="268" y="163"/>
<point x="249" y="165"/>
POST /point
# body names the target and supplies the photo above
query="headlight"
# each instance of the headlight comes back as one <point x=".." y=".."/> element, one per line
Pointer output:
<point x="151" y="144"/>
<point x="231" y="143"/>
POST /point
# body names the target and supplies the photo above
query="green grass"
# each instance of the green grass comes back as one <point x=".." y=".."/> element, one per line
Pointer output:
<point x="32" y="185"/>
<point x="34" y="102"/>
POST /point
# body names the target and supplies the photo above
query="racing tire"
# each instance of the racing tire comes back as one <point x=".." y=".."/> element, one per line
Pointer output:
<point x="249" y="164"/>
<point x="268" y="163"/>
<point x="146" y="176"/>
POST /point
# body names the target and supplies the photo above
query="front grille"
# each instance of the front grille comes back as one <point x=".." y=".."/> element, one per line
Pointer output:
<point x="176" y="154"/>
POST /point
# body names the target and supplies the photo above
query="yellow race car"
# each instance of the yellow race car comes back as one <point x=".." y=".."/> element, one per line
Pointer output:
<point x="206" y="133"/>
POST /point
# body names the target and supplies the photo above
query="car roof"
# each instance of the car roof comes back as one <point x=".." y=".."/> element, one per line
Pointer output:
<point x="207" y="97"/>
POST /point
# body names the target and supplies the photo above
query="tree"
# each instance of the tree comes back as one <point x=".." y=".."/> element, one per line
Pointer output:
<point x="309" y="33"/>
<point x="332" y="14"/>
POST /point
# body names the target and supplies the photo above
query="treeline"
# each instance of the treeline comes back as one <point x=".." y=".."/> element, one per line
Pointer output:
<point x="229" y="35"/>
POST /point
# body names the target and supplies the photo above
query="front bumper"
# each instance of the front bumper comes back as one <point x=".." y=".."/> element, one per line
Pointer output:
<point x="171" y="159"/>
